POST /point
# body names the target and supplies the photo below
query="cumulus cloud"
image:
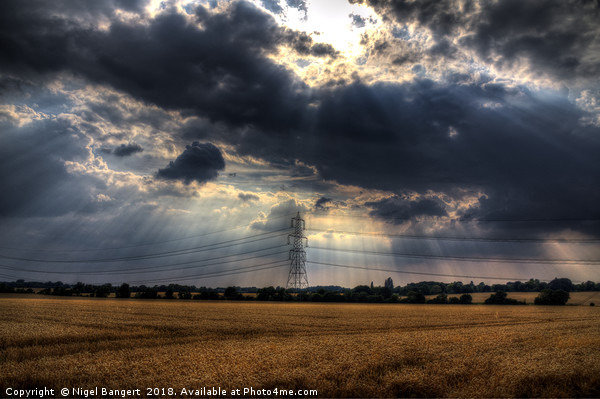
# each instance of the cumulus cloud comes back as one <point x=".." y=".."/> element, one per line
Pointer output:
<point x="199" y="162"/>
<point x="279" y="215"/>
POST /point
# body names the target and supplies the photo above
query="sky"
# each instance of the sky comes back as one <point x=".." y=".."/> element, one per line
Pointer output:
<point x="156" y="142"/>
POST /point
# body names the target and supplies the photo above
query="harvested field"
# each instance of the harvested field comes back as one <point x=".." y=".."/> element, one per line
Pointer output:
<point x="341" y="350"/>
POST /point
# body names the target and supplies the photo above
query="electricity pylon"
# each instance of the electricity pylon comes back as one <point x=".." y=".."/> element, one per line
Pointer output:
<point x="297" y="277"/>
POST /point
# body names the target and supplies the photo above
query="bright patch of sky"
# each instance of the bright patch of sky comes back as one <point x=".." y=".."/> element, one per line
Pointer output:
<point x="331" y="22"/>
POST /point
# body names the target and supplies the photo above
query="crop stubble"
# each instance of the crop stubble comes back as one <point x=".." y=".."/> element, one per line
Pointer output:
<point x="352" y="350"/>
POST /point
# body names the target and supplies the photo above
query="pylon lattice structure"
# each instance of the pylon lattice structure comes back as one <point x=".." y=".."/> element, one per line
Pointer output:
<point x="297" y="278"/>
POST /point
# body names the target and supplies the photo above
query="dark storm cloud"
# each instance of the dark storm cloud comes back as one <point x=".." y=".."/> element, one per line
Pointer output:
<point x="125" y="150"/>
<point x="526" y="152"/>
<point x="219" y="71"/>
<point x="555" y="36"/>
<point x="558" y="37"/>
<point x="81" y="10"/>
<point x="199" y="162"/>
<point x="398" y="210"/>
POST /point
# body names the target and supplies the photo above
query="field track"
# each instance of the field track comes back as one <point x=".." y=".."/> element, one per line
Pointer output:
<point x="341" y="350"/>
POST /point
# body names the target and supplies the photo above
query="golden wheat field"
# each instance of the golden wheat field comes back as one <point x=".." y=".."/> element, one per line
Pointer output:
<point x="576" y="298"/>
<point x="340" y="350"/>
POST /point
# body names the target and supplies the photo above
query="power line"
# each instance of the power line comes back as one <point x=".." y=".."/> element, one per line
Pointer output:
<point x="196" y="261"/>
<point x="218" y="274"/>
<point x="187" y="251"/>
<point x="10" y="276"/>
<point x="137" y="270"/>
<point x="139" y="244"/>
<point x="451" y="238"/>
<point x="383" y="218"/>
<point x="417" y="273"/>
<point x="465" y="258"/>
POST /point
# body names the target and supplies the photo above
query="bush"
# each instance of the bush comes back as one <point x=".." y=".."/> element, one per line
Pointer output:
<point x="499" y="298"/>
<point x="466" y="299"/>
<point x="207" y="295"/>
<point x="6" y="288"/>
<point x="184" y="294"/>
<point x="440" y="298"/>
<point x="414" y="297"/>
<point x="147" y="293"/>
<point x="552" y="297"/>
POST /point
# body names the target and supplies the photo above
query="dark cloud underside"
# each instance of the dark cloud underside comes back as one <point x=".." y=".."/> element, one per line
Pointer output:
<point x="526" y="151"/>
<point x="397" y="210"/>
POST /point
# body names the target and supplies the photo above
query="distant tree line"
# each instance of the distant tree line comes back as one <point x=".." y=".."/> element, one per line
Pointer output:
<point x="532" y="285"/>
<point x="555" y="292"/>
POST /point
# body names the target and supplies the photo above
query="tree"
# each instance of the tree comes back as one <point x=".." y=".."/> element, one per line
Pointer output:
<point x="389" y="283"/>
<point x="466" y="299"/>
<point x="123" y="291"/>
<point x="208" y="295"/>
<point x="435" y="289"/>
<point x="496" y="299"/>
<point x="169" y="293"/>
<point x="146" y="292"/>
<point x="362" y="296"/>
<point x="265" y="294"/>
<point x="414" y="297"/>
<point x="552" y="297"/>
<point x="441" y="298"/>
<point x="103" y="291"/>
<point x="362" y="288"/>
<point x="184" y="294"/>
<point x="561" y="284"/>
<point x="231" y="293"/>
